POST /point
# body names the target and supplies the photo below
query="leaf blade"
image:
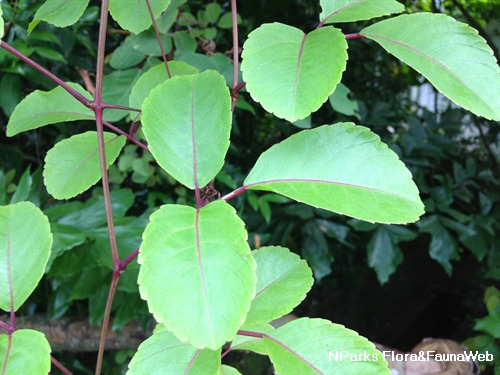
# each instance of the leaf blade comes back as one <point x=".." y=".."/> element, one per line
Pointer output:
<point x="28" y="353"/>
<point x="181" y="261"/>
<point x="462" y="66"/>
<point x="121" y="10"/>
<point x="187" y="122"/>
<point x="72" y="165"/>
<point x="42" y="108"/>
<point x="59" y="13"/>
<point x="25" y="242"/>
<point x="357" y="10"/>
<point x="342" y="168"/>
<point x="292" y="74"/>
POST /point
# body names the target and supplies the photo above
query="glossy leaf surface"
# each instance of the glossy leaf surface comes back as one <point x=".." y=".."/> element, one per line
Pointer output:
<point x="72" y="165"/>
<point x="450" y="54"/>
<point x="163" y="353"/>
<point x="197" y="272"/>
<point x="153" y="77"/>
<point x="29" y="353"/>
<point x="283" y="280"/>
<point x="121" y="11"/>
<point x="48" y="107"/>
<point x="187" y="121"/>
<point x="343" y="168"/>
<point x="59" y="13"/>
<point x="25" y="242"/>
<point x="291" y="73"/>
<point x="357" y="10"/>
<point x="303" y="346"/>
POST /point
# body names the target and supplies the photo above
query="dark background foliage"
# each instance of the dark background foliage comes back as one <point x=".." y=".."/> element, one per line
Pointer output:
<point x="393" y="284"/>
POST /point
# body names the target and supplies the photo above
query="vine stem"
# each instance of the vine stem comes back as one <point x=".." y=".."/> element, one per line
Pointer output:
<point x="158" y="38"/>
<point x="234" y="14"/>
<point x="60" y="366"/>
<point x="98" y="108"/>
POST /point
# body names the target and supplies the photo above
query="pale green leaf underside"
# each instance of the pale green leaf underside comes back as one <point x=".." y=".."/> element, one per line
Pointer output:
<point x="291" y="73"/>
<point x="357" y="10"/>
<point x="343" y="168"/>
<point x="61" y="13"/>
<point x="163" y="353"/>
<point x="303" y="346"/>
<point x="121" y="11"/>
<point x="187" y="121"/>
<point x="228" y="370"/>
<point x="29" y="353"/>
<point x="72" y="165"/>
<point x="42" y="108"/>
<point x="197" y="272"/>
<point x="283" y="280"/>
<point x="152" y="78"/>
<point x="450" y="54"/>
<point x="25" y="242"/>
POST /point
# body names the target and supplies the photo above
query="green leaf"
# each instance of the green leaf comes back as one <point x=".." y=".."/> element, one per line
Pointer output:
<point x="65" y="238"/>
<point x="489" y="324"/>
<point x="72" y="165"/>
<point x="450" y="54"/>
<point x="187" y="121"/>
<point x="48" y="107"/>
<point x="122" y="12"/>
<point x="126" y="56"/>
<point x="383" y="254"/>
<point x="341" y="102"/>
<point x="25" y="242"/>
<point x="291" y="73"/>
<point x="147" y="44"/>
<point x="60" y="13"/>
<point x="316" y="251"/>
<point x="283" y="280"/>
<point x="27" y="353"/>
<point x="163" y="353"/>
<point x="23" y="188"/>
<point x="116" y="90"/>
<point x="153" y="77"/>
<point x="196" y="274"/>
<point x="51" y="54"/>
<point x="343" y="168"/>
<point x="212" y="12"/>
<point x="10" y="93"/>
<point x="226" y="21"/>
<point x="1" y="24"/>
<point x="357" y="10"/>
<point x="316" y="346"/>
<point x="184" y="42"/>
<point x="443" y="248"/>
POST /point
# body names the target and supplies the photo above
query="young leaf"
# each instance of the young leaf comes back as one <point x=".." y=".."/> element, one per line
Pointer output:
<point x="121" y="11"/>
<point x="59" y="13"/>
<point x="197" y="272"/>
<point x="72" y="165"/>
<point x="315" y="346"/>
<point x="163" y="353"/>
<point x="283" y="280"/>
<point x="27" y="353"/>
<point x="357" y="10"/>
<point x="450" y="54"/>
<point x="25" y="242"/>
<point x="187" y="121"/>
<point x="343" y="168"/>
<point x="153" y="77"/>
<point x="341" y="102"/>
<point x="48" y="107"/>
<point x="291" y="73"/>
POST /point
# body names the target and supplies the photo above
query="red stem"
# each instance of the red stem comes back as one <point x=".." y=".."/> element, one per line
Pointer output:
<point x="158" y="38"/>
<point x="354" y="36"/>
<point x="60" y="366"/>
<point x="234" y="14"/>
<point x="82" y="99"/>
